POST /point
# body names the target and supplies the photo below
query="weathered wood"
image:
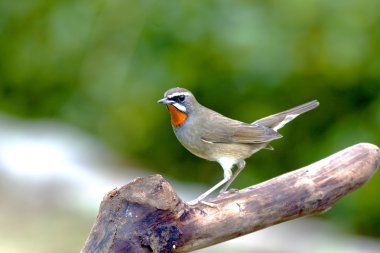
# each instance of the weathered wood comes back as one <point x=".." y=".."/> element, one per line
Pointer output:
<point x="148" y="216"/>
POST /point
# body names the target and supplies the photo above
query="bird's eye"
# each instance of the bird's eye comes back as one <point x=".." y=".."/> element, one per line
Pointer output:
<point x="181" y="98"/>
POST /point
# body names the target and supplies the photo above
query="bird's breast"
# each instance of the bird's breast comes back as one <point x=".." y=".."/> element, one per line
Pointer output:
<point x="177" y="117"/>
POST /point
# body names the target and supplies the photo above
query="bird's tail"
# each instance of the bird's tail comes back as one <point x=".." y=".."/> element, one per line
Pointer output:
<point x="276" y="121"/>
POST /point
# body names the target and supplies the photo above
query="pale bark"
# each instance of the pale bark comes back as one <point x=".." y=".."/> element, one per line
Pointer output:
<point x="148" y="216"/>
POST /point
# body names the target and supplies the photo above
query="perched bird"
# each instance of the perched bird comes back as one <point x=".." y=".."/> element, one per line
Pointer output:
<point x="215" y="137"/>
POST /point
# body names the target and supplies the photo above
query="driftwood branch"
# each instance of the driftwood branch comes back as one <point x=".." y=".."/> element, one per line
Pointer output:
<point x="148" y="216"/>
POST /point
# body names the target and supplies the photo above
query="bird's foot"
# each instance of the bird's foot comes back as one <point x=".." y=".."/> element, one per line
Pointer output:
<point x="195" y="202"/>
<point x="229" y="191"/>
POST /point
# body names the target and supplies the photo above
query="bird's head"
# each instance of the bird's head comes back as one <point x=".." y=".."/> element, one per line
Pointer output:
<point x="180" y="103"/>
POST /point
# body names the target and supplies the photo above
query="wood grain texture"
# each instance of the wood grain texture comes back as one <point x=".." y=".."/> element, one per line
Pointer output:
<point x="148" y="216"/>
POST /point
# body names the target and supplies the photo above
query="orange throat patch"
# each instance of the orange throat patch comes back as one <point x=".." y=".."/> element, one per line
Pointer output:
<point x="177" y="117"/>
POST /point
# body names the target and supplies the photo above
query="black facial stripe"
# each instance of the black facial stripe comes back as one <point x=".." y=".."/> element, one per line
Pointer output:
<point x="178" y="99"/>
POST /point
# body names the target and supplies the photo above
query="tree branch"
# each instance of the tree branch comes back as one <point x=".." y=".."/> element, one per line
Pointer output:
<point x="148" y="216"/>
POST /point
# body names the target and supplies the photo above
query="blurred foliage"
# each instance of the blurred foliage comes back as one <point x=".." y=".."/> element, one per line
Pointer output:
<point x="102" y="65"/>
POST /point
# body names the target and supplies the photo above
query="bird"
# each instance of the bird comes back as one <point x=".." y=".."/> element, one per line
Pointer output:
<point x="215" y="137"/>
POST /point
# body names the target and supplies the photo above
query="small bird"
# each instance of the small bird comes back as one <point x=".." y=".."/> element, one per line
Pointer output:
<point x="215" y="137"/>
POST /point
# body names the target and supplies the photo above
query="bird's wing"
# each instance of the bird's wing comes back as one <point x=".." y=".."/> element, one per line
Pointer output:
<point x="231" y="131"/>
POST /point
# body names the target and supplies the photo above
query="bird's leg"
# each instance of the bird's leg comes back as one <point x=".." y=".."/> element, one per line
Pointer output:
<point x="227" y="176"/>
<point x="240" y="166"/>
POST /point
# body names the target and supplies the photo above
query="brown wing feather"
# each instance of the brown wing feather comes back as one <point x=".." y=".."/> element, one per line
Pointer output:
<point x="221" y="129"/>
<point x="225" y="130"/>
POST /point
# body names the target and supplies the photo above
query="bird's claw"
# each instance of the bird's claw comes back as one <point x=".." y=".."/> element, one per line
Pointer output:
<point x="194" y="202"/>
<point x="229" y="191"/>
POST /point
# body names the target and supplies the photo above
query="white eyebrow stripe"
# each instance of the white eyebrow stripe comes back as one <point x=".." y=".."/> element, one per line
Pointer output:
<point x="178" y="94"/>
<point x="179" y="107"/>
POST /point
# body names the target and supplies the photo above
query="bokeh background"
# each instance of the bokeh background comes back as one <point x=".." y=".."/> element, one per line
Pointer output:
<point x="87" y="75"/>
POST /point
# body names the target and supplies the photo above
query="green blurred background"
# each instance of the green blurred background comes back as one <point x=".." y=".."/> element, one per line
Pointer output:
<point x="102" y="65"/>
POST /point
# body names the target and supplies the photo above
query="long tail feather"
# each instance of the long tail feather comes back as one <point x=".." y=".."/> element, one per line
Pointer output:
<point x="276" y="121"/>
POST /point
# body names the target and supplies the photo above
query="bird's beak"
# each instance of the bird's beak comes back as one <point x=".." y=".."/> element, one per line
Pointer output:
<point x="164" y="101"/>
